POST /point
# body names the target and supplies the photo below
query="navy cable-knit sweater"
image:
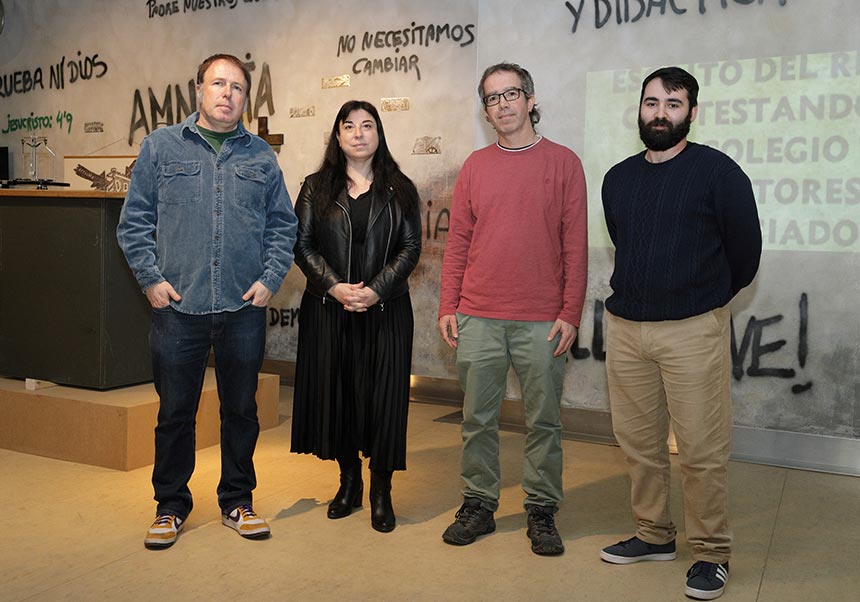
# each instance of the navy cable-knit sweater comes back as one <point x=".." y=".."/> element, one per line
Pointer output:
<point x="686" y="233"/>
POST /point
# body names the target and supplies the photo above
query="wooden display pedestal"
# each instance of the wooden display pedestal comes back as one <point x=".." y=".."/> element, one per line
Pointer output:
<point x="114" y="428"/>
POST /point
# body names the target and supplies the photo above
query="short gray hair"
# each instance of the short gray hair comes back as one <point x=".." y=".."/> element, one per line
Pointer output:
<point x="526" y="81"/>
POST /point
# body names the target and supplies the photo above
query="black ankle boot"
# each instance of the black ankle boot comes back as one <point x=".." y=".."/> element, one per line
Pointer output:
<point x="349" y="494"/>
<point x="381" y="512"/>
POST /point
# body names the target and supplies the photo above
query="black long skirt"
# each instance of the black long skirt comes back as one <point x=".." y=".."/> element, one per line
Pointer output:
<point x="352" y="381"/>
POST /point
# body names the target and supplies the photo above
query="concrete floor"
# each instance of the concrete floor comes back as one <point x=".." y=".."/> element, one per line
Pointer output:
<point x="75" y="532"/>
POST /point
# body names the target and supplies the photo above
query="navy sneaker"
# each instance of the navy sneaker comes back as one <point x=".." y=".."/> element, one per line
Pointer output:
<point x="707" y="580"/>
<point x="634" y="550"/>
<point x="472" y="520"/>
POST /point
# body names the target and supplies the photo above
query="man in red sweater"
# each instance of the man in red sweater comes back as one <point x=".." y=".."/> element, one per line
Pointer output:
<point x="513" y="285"/>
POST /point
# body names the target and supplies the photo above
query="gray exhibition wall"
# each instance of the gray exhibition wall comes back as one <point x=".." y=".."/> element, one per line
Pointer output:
<point x="780" y="93"/>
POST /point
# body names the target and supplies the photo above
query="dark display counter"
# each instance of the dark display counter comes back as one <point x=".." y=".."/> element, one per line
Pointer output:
<point x="70" y="310"/>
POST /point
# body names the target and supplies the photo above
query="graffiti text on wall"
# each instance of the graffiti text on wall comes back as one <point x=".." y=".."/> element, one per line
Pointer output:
<point x="631" y="11"/>
<point x="174" y="7"/>
<point x="285" y="317"/>
<point x="439" y="223"/>
<point x="80" y="68"/>
<point x="751" y="344"/>
<point x="396" y="39"/>
<point x="33" y="122"/>
<point x="174" y="106"/>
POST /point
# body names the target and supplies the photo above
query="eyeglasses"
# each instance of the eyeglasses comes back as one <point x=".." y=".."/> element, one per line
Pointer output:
<point x="510" y="95"/>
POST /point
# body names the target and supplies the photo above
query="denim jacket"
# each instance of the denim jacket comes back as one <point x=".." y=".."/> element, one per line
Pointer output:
<point x="210" y="224"/>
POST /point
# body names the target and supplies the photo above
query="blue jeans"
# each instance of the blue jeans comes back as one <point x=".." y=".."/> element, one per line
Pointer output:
<point x="180" y="346"/>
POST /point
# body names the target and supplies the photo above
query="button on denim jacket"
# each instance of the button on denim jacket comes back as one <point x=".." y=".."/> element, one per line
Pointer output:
<point x="210" y="224"/>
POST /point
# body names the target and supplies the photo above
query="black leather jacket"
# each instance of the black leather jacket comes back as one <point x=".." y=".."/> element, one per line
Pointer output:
<point x="324" y="244"/>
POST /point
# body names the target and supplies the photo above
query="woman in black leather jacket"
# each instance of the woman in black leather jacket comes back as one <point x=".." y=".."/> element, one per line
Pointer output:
<point x="358" y="240"/>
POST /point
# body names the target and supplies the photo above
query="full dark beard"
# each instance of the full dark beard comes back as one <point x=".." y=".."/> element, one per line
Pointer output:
<point x="660" y="140"/>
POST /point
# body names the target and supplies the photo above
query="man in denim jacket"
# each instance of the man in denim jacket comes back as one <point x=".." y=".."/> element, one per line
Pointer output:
<point x="208" y="229"/>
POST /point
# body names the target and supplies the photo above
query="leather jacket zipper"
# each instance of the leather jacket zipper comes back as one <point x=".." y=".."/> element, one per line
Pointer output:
<point x="387" y="243"/>
<point x="348" y="246"/>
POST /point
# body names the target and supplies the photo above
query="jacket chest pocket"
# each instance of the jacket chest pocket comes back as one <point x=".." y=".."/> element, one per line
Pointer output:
<point x="180" y="182"/>
<point x="250" y="182"/>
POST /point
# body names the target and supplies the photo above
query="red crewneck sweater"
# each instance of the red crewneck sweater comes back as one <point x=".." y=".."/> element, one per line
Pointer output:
<point x="517" y="245"/>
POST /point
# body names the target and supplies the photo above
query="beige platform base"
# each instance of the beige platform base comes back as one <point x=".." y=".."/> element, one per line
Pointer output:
<point x="107" y="428"/>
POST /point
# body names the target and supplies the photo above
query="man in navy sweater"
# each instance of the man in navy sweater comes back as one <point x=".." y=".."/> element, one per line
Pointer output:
<point x="687" y="238"/>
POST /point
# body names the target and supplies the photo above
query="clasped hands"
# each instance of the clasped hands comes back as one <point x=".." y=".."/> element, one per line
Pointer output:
<point x="354" y="297"/>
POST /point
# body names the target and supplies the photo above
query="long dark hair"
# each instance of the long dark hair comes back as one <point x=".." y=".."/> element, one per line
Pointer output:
<point x="332" y="178"/>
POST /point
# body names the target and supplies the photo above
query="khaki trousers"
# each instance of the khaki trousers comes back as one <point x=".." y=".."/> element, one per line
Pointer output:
<point x="676" y="370"/>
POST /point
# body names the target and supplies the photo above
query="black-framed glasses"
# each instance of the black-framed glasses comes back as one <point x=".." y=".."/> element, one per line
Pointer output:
<point x="509" y="95"/>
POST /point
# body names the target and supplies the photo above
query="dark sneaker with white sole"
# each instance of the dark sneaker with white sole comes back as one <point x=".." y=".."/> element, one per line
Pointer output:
<point x="472" y="520"/>
<point x="707" y="580"/>
<point x="635" y="550"/>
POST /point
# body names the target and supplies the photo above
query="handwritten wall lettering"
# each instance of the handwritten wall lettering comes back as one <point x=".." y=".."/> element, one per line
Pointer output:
<point x="65" y="117"/>
<point x="176" y="103"/>
<point x="440" y="224"/>
<point x="263" y="91"/>
<point x="161" y="112"/>
<point x="415" y="35"/>
<point x="754" y="344"/>
<point x="285" y="317"/>
<point x="631" y="11"/>
<point x="597" y="346"/>
<point x="162" y="9"/>
<point x="386" y="65"/>
<point x="397" y="39"/>
<point x="174" y="7"/>
<point x="83" y="67"/>
<point x="33" y="122"/>
<point x="20" y="82"/>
